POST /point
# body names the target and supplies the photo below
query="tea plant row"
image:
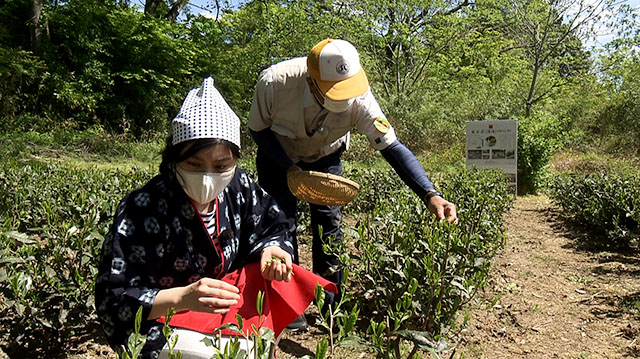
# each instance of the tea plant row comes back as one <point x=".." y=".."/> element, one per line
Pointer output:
<point x="420" y="272"/>
<point x="602" y="203"/>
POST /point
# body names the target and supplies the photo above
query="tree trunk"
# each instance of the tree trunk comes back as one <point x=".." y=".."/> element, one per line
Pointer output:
<point x="173" y="13"/>
<point x="35" y="11"/>
<point x="151" y="6"/>
<point x="532" y="88"/>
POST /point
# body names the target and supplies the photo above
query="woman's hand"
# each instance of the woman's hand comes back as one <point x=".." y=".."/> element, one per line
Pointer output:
<point x="209" y="295"/>
<point x="206" y="295"/>
<point x="275" y="264"/>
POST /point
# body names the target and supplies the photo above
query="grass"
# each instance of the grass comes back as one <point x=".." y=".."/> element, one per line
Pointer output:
<point x="593" y="160"/>
<point x="578" y="279"/>
<point x="525" y="274"/>
<point x="544" y="258"/>
<point x="97" y="148"/>
<point x="80" y="149"/>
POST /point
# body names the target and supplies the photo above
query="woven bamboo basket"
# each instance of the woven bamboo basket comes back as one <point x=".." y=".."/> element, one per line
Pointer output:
<point x="322" y="188"/>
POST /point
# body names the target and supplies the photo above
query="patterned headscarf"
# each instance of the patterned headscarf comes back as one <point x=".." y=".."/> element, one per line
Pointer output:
<point x="205" y="114"/>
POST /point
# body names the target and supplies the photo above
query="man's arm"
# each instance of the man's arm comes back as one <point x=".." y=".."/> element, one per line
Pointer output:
<point x="405" y="163"/>
<point x="268" y="143"/>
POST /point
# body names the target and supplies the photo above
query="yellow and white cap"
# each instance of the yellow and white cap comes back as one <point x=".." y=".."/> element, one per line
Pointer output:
<point x="335" y="66"/>
<point x="205" y="114"/>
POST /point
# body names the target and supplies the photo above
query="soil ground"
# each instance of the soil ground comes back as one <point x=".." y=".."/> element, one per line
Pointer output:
<point x="553" y="292"/>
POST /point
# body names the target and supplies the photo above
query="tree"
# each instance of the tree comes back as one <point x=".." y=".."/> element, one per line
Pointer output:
<point x="619" y="72"/>
<point x="548" y="35"/>
<point x="404" y="37"/>
<point x="165" y="9"/>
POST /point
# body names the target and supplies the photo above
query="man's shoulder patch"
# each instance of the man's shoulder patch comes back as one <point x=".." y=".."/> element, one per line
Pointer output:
<point x="382" y="124"/>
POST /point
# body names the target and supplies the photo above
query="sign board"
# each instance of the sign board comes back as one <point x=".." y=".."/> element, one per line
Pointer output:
<point x="494" y="144"/>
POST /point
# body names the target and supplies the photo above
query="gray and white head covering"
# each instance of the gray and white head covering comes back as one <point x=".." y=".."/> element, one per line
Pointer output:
<point x="205" y="114"/>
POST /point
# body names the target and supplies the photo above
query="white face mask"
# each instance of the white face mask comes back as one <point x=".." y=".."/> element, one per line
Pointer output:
<point x="337" y="106"/>
<point x="204" y="187"/>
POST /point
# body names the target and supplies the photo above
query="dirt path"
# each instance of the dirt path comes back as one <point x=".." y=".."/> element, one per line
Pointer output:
<point x="550" y="297"/>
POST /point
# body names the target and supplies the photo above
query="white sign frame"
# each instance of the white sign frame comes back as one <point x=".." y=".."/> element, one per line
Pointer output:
<point x="494" y="144"/>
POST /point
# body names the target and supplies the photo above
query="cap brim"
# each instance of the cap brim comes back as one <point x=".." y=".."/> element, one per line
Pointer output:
<point x="355" y="85"/>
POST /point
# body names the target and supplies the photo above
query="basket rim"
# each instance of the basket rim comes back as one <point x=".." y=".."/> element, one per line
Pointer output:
<point x="319" y="175"/>
<point x="342" y="192"/>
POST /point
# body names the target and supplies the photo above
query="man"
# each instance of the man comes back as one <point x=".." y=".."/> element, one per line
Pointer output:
<point x="301" y="115"/>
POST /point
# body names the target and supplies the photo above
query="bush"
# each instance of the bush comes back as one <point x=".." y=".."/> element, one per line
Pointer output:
<point x="52" y="223"/>
<point x="538" y="139"/>
<point x="400" y="242"/>
<point x="20" y="73"/>
<point x="604" y="203"/>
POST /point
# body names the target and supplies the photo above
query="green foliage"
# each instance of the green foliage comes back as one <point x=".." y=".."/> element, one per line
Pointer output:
<point x="121" y="68"/>
<point x="401" y="242"/>
<point x="20" y="72"/>
<point x="617" y="126"/>
<point x="538" y="139"/>
<point x="136" y="341"/>
<point x="433" y="65"/>
<point x="261" y="339"/>
<point x="339" y="318"/>
<point x="376" y="187"/>
<point x="603" y="202"/>
<point x="388" y="337"/>
<point x="103" y="63"/>
<point x="94" y="146"/>
<point x="52" y="223"/>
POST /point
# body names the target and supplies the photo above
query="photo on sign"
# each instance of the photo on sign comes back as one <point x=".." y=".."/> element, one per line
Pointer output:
<point x="498" y="154"/>
<point x="474" y="154"/>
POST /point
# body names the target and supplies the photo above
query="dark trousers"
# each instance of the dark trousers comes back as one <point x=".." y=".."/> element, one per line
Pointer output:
<point x="274" y="180"/>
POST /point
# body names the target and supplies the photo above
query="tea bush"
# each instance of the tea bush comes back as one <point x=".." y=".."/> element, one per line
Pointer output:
<point x="52" y="223"/>
<point x="605" y="203"/>
<point x="53" y="219"/>
<point x="400" y="242"/>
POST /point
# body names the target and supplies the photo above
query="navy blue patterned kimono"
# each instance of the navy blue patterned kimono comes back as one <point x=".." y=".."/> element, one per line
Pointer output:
<point x="158" y="241"/>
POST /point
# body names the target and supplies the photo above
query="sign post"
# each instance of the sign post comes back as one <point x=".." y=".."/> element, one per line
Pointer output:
<point x="494" y="144"/>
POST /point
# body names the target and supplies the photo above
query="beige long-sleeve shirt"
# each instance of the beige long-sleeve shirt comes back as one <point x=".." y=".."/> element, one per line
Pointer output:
<point x="306" y="131"/>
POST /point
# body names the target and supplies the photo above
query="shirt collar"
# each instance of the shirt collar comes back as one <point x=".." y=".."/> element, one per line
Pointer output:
<point x="307" y="98"/>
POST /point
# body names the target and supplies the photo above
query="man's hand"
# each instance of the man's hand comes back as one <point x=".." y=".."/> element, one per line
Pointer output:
<point x="443" y="209"/>
<point x="275" y="264"/>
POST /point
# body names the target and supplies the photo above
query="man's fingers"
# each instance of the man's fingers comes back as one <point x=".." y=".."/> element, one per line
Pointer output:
<point x="451" y="213"/>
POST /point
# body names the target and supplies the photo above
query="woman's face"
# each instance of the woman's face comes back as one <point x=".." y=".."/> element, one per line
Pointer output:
<point x="215" y="158"/>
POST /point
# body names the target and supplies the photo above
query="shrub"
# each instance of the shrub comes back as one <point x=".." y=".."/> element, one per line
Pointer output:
<point x="605" y="203"/>
<point x="52" y="223"/>
<point x="20" y="72"/>
<point x="401" y="242"/>
<point x="538" y="139"/>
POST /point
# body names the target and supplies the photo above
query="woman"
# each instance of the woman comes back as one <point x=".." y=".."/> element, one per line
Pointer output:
<point x="199" y="219"/>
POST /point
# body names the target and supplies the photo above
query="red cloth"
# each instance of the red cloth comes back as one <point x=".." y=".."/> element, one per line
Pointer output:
<point x="283" y="301"/>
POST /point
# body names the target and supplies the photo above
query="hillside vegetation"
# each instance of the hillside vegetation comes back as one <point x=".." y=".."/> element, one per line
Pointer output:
<point x="88" y="87"/>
